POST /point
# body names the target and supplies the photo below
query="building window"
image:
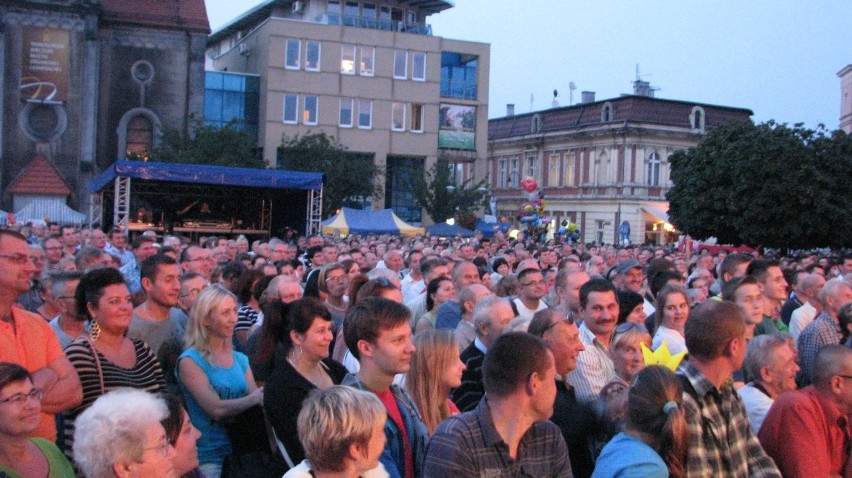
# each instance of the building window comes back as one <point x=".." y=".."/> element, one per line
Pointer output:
<point x="531" y="166"/>
<point x="347" y="59"/>
<point x="346" y="105"/>
<point x="416" y="118"/>
<point x="398" y="117"/>
<point x="292" y="52"/>
<point x="458" y="75"/>
<point x="140" y="137"/>
<point x="368" y="60"/>
<point x="606" y="112"/>
<point x="400" y="64"/>
<point x="515" y="174"/>
<point x="553" y="172"/>
<point x="654" y="169"/>
<point x="418" y="66"/>
<point x="309" y="115"/>
<point x="696" y="118"/>
<point x="501" y="181"/>
<point x="291" y="106"/>
<point x="603" y="168"/>
<point x="365" y="114"/>
<point x="569" y="169"/>
<point x="312" y="55"/>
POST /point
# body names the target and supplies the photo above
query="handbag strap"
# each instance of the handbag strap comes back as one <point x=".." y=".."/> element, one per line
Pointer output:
<point x="97" y="364"/>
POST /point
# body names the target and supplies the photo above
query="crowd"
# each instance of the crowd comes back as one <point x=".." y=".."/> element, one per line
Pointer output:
<point x="417" y="357"/>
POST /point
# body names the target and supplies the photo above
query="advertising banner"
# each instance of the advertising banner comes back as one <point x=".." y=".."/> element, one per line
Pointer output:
<point x="44" y="65"/>
<point x="458" y="127"/>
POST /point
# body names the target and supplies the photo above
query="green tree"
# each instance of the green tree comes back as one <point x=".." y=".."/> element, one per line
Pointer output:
<point x="430" y="191"/>
<point x="209" y="145"/>
<point x="767" y="184"/>
<point x="347" y="176"/>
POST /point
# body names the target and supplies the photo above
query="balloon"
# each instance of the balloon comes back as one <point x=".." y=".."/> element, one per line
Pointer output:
<point x="529" y="184"/>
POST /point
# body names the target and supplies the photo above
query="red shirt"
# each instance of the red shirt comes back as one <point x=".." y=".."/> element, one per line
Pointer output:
<point x="389" y="401"/>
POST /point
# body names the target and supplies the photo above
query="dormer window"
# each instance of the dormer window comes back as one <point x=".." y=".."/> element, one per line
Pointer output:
<point x="606" y="112"/>
<point x="697" y="119"/>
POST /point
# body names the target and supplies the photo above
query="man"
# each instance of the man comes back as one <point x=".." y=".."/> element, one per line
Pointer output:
<point x="67" y="325"/>
<point x="746" y="293"/>
<point x="117" y="246"/>
<point x="807" y="432"/>
<point x="412" y="283"/>
<point x="796" y="298"/>
<point x="391" y="260"/>
<point x="220" y="255"/>
<point x="330" y="252"/>
<point x="568" y="283"/>
<point x="771" y="363"/>
<point x="599" y="312"/>
<point x="278" y="250"/>
<point x="98" y="239"/>
<point x="89" y="257"/>
<point x="825" y="329"/>
<point x="468" y="297"/>
<point x="577" y="422"/>
<point x="158" y="319"/>
<point x="733" y="266"/>
<point x="532" y="290"/>
<point x="198" y="260"/>
<point x="846" y="265"/>
<point x="490" y="317"/>
<point x="431" y="268"/>
<point x="142" y="248"/>
<point x="721" y="441"/>
<point x="191" y="284"/>
<point x="52" y="252"/>
<point x="466" y="252"/>
<point x="774" y="289"/>
<point x="27" y="340"/>
<point x="810" y="288"/>
<point x="69" y="240"/>
<point x="629" y="276"/>
<point x="378" y="334"/>
<point x="449" y="314"/>
<point x="508" y="433"/>
<point x="285" y="289"/>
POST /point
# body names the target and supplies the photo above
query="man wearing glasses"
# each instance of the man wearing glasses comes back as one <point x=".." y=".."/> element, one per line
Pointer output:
<point x="533" y="289"/>
<point x="27" y="340"/>
<point x="67" y="325"/>
<point x="198" y="260"/>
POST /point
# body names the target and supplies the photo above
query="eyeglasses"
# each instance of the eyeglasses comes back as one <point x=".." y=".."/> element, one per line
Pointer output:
<point x="65" y="297"/>
<point x="534" y="283"/>
<point x="208" y="259"/>
<point x="20" y="398"/>
<point x="627" y="326"/>
<point x="339" y="279"/>
<point x="192" y="293"/>
<point x="19" y="259"/>
<point x="569" y="319"/>
<point x="162" y="449"/>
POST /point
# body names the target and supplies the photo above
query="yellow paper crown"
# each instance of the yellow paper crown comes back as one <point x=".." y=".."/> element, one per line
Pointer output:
<point x="662" y="356"/>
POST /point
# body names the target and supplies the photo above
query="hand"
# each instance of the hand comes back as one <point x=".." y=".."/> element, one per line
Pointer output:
<point x="257" y="396"/>
<point x="44" y="379"/>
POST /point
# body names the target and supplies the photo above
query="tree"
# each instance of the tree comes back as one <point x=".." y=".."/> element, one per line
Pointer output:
<point x="767" y="184"/>
<point x="209" y="145"/>
<point x="347" y="176"/>
<point x="430" y="191"/>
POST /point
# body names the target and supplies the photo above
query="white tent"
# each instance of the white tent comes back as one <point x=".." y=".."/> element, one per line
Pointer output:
<point x="54" y="209"/>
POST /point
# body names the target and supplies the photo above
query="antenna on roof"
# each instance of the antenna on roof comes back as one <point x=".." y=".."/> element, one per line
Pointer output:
<point x="571" y="88"/>
<point x="531" y="102"/>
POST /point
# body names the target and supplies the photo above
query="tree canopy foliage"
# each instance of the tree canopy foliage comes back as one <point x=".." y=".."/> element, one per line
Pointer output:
<point x="347" y="175"/>
<point x="430" y="191"/>
<point x="767" y="184"/>
<point x="209" y="145"/>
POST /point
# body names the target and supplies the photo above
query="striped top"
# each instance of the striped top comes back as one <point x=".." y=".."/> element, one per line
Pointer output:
<point x="145" y="375"/>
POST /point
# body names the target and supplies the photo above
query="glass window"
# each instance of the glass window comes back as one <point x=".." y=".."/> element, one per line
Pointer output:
<point x="346" y="105"/>
<point x="553" y="172"/>
<point x="365" y="114"/>
<point x="384" y="17"/>
<point x="569" y="169"/>
<point x="293" y="50"/>
<point x="312" y="55"/>
<point x="416" y="117"/>
<point x="531" y="166"/>
<point x="333" y="11"/>
<point x="368" y="58"/>
<point x="291" y="105"/>
<point x="515" y="174"/>
<point x="309" y="115"/>
<point x="654" y="169"/>
<point x="398" y="117"/>
<point x="347" y="59"/>
<point x="400" y="64"/>
<point x="418" y="66"/>
<point x="502" y="179"/>
<point x="140" y="136"/>
<point x="458" y="75"/>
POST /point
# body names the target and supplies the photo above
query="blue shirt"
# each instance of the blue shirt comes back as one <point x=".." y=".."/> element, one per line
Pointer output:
<point x="628" y="457"/>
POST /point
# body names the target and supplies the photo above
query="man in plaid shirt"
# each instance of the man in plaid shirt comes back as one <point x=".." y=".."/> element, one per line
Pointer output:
<point x="721" y="441"/>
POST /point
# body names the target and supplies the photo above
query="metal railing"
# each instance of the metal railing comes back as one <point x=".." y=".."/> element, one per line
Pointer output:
<point x="375" y="23"/>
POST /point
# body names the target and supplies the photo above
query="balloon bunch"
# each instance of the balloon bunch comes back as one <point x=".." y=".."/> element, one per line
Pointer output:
<point x="532" y="212"/>
<point x="568" y="231"/>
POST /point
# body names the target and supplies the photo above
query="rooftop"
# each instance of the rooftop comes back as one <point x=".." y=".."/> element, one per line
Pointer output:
<point x="39" y="177"/>
<point x="178" y="14"/>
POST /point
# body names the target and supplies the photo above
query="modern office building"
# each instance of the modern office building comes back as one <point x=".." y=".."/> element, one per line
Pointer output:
<point x="600" y="163"/>
<point x="370" y="74"/>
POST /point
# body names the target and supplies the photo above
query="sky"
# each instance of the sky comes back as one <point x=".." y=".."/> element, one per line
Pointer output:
<point x="778" y="58"/>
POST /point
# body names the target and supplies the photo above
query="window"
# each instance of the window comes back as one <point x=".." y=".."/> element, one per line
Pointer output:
<point x="514" y="174"/>
<point x="309" y="114"/>
<point x="292" y="51"/>
<point x="569" y="169"/>
<point x="531" y="166"/>
<point x="312" y="55"/>
<point x="347" y="59"/>
<point x="696" y="118"/>
<point x="502" y="178"/>
<point x="365" y="114"/>
<point x="400" y="64"/>
<point x="398" y="117"/>
<point x="346" y="105"/>
<point x="418" y="66"/>
<point x="458" y="75"/>
<point x="603" y="168"/>
<point x="606" y="112"/>
<point x="368" y="59"/>
<point x="416" y="118"/>
<point x="553" y="172"/>
<point x="654" y="169"/>
<point x="140" y="136"/>
<point x="291" y="105"/>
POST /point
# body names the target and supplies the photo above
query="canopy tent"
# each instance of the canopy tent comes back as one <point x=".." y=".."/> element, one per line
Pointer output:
<point x="487" y="228"/>
<point x="54" y="209"/>
<point x="363" y="221"/>
<point x="442" y="229"/>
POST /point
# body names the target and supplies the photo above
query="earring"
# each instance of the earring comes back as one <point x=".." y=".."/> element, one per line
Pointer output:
<point x="94" y="330"/>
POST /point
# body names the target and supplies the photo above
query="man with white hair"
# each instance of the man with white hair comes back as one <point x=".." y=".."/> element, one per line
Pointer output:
<point x="771" y="363"/>
<point x="825" y="329"/>
<point x="810" y="288"/>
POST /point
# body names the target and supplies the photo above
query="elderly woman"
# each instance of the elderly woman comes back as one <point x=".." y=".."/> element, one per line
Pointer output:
<point x="20" y="407"/>
<point x="342" y="431"/>
<point x="120" y="436"/>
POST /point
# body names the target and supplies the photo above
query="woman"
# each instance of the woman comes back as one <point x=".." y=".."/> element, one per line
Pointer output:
<point x="631" y="307"/>
<point x="435" y="369"/>
<point x="332" y="282"/>
<point x="306" y="336"/>
<point x="20" y="413"/>
<point x="670" y="318"/>
<point x="655" y="440"/>
<point x="439" y="290"/>
<point x="248" y="311"/>
<point x="501" y="269"/>
<point x="351" y="268"/>
<point x="183" y="437"/>
<point x="120" y="436"/>
<point x="215" y="380"/>
<point x="342" y="432"/>
<point x="104" y="358"/>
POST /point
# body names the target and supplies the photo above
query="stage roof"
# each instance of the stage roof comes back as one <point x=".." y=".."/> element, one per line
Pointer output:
<point x="201" y="174"/>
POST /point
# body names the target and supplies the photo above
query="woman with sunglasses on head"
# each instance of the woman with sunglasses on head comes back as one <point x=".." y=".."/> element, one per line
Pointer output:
<point x="20" y="407"/>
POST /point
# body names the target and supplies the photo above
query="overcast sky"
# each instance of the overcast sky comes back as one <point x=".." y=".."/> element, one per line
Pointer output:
<point x="778" y="58"/>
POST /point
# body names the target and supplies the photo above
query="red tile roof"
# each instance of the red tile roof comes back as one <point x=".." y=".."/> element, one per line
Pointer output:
<point x="39" y="177"/>
<point x="178" y="14"/>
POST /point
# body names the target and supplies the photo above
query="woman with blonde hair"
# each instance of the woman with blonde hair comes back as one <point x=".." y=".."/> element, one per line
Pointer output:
<point x="435" y="369"/>
<point x="215" y="380"/>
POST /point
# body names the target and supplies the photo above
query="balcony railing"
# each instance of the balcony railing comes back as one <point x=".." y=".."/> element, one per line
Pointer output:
<point x="464" y="90"/>
<point x="375" y="23"/>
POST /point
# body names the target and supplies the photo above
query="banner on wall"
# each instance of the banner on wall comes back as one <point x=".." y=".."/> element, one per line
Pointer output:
<point x="44" y="65"/>
<point x="458" y="127"/>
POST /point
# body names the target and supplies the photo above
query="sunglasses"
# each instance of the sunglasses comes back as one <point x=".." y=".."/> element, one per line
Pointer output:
<point x="628" y="326"/>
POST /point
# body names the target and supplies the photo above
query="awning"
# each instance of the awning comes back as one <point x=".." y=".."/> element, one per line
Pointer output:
<point x="361" y="221"/>
<point x="55" y="210"/>
<point x="659" y="214"/>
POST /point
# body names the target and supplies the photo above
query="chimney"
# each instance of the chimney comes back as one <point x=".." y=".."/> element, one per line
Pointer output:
<point x="643" y="88"/>
<point x="587" y="97"/>
<point x="510" y="109"/>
